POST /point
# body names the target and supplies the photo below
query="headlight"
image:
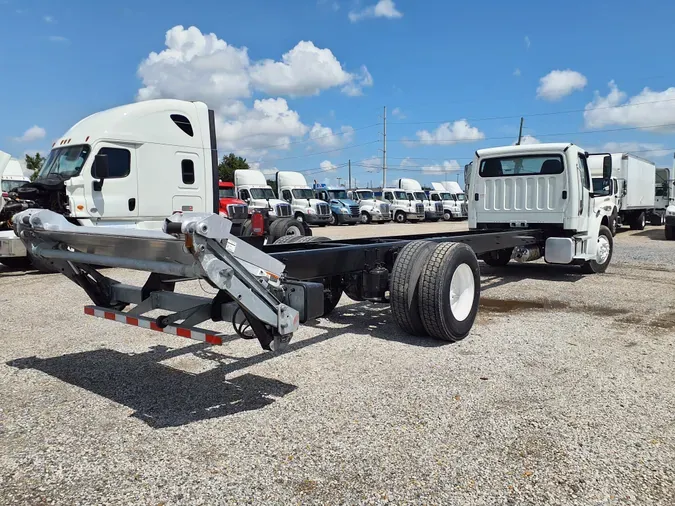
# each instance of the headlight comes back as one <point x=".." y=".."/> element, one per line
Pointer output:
<point x="376" y="211"/>
<point x="310" y="211"/>
<point x="344" y="211"/>
<point x="670" y="212"/>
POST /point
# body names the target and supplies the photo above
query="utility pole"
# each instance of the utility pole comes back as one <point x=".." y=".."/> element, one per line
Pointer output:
<point x="349" y="186"/>
<point x="520" y="133"/>
<point x="384" y="151"/>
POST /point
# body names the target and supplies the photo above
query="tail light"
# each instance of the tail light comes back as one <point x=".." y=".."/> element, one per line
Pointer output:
<point x="257" y="224"/>
<point x="5" y="194"/>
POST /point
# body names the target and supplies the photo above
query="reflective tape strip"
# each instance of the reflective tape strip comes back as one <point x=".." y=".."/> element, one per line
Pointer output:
<point x="151" y="324"/>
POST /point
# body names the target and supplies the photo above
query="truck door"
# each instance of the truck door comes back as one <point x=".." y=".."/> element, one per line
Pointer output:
<point x="117" y="198"/>
<point x="585" y="206"/>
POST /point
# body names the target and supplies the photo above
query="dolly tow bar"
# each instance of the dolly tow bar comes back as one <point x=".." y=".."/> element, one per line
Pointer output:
<point x="252" y="289"/>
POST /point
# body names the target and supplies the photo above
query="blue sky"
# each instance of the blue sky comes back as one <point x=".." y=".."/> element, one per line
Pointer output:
<point x="454" y="76"/>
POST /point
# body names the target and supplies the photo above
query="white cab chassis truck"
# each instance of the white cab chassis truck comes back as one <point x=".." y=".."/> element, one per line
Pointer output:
<point x="632" y="190"/>
<point x="293" y="188"/>
<point x="126" y="167"/>
<point x="251" y="187"/>
<point x="402" y="206"/>
<point x="454" y="203"/>
<point x="545" y="187"/>
<point x="433" y="210"/>
<point x="670" y="210"/>
<point x="371" y="209"/>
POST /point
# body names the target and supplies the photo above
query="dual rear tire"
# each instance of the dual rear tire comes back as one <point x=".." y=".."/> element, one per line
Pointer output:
<point x="435" y="289"/>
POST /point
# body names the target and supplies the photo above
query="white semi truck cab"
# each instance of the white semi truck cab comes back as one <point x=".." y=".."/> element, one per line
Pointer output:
<point x="251" y="186"/>
<point x="402" y="205"/>
<point x="371" y="209"/>
<point x="453" y="201"/>
<point x="546" y="187"/>
<point x="293" y="188"/>
<point x="433" y="210"/>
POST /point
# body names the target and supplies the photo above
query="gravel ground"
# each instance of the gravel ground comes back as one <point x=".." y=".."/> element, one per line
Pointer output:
<point x="562" y="394"/>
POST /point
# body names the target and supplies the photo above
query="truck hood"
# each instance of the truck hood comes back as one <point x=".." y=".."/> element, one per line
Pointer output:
<point x="346" y="202"/>
<point x="226" y="201"/>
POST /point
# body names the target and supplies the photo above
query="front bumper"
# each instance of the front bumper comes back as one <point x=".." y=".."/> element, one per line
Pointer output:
<point x="348" y="218"/>
<point x="380" y="217"/>
<point x="11" y="245"/>
<point x="317" y="219"/>
<point x="414" y="216"/>
<point x="433" y="215"/>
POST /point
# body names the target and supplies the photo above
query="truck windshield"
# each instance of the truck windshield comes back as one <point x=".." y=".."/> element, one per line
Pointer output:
<point x="338" y="194"/>
<point x="10" y="185"/>
<point x="365" y="195"/>
<point x="226" y="193"/>
<point x="461" y="196"/>
<point x="262" y="193"/>
<point x="446" y="196"/>
<point x="530" y="165"/>
<point x="420" y="196"/>
<point x="302" y="193"/>
<point x="599" y="188"/>
<point x="67" y="162"/>
<point x="399" y="195"/>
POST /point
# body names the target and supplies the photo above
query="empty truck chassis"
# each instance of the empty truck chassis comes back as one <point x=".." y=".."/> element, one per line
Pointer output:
<point x="431" y="282"/>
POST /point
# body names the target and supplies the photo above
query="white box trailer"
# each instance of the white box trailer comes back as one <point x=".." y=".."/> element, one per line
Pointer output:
<point x="632" y="189"/>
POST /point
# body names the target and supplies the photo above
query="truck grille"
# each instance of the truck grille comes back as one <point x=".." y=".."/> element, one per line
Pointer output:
<point x="439" y="208"/>
<point x="283" y="210"/>
<point x="354" y="211"/>
<point x="237" y="211"/>
<point x="384" y="209"/>
<point x="323" y="209"/>
<point x="465" y="208"/>
<point x="419" y="208"/>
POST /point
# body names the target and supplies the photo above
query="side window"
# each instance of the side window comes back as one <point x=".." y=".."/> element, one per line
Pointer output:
<point x="183" y="123"/>
<point x="188" y="171"/>
<point x="435" y="198"/>
<point x="286" y="195"/>
<point x="244" y="195"/>
<point x="389" y="196"/>
<point x="119" y="162"/>
<point x="583" y="168"/>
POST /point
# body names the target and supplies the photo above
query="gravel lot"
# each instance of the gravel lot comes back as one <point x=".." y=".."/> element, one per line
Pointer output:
<point x="564" y="393"/>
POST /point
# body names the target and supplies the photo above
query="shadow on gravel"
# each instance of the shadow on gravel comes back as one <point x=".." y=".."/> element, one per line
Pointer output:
<point x="655" y="234"/>
<point x="499" y="276"/>
<point x="161" y="396"/>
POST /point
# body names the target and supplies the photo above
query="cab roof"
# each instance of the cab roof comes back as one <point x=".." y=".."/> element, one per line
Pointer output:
<point x="523" y="149"/>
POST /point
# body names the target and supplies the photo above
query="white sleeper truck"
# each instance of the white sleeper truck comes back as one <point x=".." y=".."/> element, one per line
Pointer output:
<point x="632" y="190"/>
<point x="546" y="187"/>
<point x="129" y="166"/>
<point x="454" y="203"/>
<point x="402" y="206"/>
<point x="371" y="209"/>
<point x="433" y="210"/>
<point x="293" y="188"/>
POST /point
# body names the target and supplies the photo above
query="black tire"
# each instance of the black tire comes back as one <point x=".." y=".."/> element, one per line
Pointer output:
<point x="447" y="216"/>
<point x="613" y="223"/>
<point x="246" y="228"/>
<point x="300" y="217"/>
<point x="333" y="220"/>
<point x="399" y="217"/>
<point x="365" y="218"/>
<point x="639" y="222"/>
<point x="670" y="233"/>
<point x="656" y="220"/>
<point x="295" y="239"/>
<point x="286" y="226"/>
<point x="593" y="266"/>
<point x="332" y="294"/>
<point x="19" y="263"/>
<point x="497" y="258"/>
<point x="450" y="264"/>
<point x="404" y="286"/>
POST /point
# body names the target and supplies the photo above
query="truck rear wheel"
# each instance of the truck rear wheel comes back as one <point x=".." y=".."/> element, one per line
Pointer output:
<point x="286" y="226"/>
<point x="404" y="286"/>
<point x="639" y="222"/>
<point x="670" y="233"/>
<point x="449" y="291"/>
<point x="295" y="239"/>
<point x="497" y="258"/>
<point x="603" y="255"/>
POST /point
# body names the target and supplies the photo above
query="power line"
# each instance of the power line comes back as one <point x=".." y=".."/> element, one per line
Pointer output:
<point x="532" y="115"/>
<point x="324" y="152"/>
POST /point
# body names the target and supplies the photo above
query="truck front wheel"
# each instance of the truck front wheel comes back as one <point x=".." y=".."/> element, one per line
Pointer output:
<point x="639" y="222"/>
<point x="603" y="254"/>
<point x="399" y="217"/>
<point x="447" y="216"/>
<point x="365" y="218"/>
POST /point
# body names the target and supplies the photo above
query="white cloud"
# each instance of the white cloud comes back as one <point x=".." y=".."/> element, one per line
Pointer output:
<point x="325" y="137"/>
<point x="438" y="168"/>
<point x="560" y="83"/>
<point x="354" y="88"/>
<point x="527" y="42"/>
<point x="516" y="72"/>
<point x="372" y="164"/>
<point x="269" y="124"/>
<point x="57" y="38"/>
<point x="327" y="166"/>
<point x="34" y="133"/>
<point x="528" y="139"/>
<point x="396" y="113"/>
<point x="333" y="5"/>
<point x="451" y="133"/>
<point x="49" y="19"/>
<point x="382" y="9"/>
<point x="617" y="109"/>
<point x="643" y="149"/>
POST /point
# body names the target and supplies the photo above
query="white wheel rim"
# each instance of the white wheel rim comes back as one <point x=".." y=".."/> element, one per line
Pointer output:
<point x="462" y="288"/>
<point x="364" y="218"/>
<point x="293" y="231"/>
<point x="603" y="250"/>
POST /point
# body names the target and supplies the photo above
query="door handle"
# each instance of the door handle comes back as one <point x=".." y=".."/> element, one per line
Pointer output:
<point x="132" y="204"/>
